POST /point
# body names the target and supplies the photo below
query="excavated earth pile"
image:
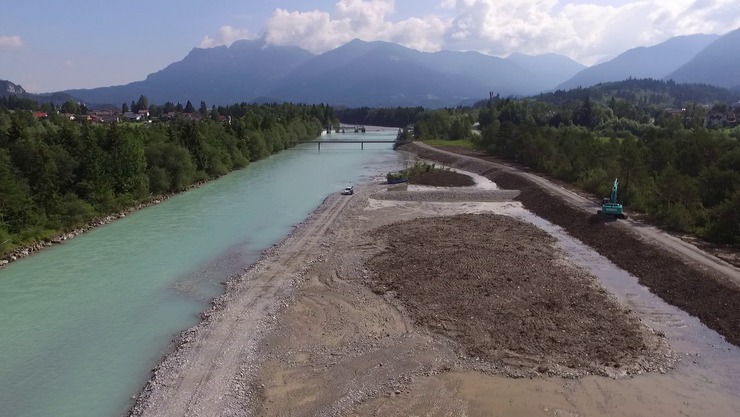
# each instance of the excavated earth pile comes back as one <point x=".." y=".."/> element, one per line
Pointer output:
<point x="439" y="178"/>
<point x="509" y="297"/>
<point x="705" y="294"/>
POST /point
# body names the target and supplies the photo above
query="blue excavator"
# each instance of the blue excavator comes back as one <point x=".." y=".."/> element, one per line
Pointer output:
<point x="610" y="207"/>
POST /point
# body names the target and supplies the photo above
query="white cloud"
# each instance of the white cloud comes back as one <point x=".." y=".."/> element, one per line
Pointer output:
<point x="10" y="42"/>
<point x="319" y="31"/>
<point x="585" y="32"/>
<point x="226" y="36"/>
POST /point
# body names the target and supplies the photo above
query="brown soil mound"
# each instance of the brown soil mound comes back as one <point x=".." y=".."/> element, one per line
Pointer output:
<point x="440" y="178"/>
<point x="509" y="296"/>
<point x="704" y="294"/>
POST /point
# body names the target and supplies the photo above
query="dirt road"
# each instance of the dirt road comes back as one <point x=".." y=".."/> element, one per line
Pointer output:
<point x="205" y="375"/>
<point x="646" y="231"/>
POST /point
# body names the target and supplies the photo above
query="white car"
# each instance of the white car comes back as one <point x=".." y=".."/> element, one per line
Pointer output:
<point x="348" y="191"/>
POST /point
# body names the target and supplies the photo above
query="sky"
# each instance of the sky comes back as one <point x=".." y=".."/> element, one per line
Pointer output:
<point x="48" y="45"/>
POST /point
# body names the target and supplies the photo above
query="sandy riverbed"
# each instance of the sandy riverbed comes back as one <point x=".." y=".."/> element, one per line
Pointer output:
<point x="353" y="315"/>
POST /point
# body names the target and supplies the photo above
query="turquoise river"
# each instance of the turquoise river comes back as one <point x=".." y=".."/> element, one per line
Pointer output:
<point x="83" y="323"/>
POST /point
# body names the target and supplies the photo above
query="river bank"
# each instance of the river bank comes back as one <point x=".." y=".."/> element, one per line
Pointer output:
<point x="25" y="251"/>
<point x="211" y="362"/>
<point x="385" y="324"/>
<point x="336" y="321"/>
<point x="82" y="340"/>
<point x="711" y="296"/>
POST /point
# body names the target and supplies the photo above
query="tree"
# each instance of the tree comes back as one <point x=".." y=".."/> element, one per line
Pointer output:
<point x="179" y="108"/>
<point x="15" y="205"/>
<point x="127" y="162"/>
<point x="721" y="107"/>
<point x="171" y="164"/>
<point x="214" y="114"/>
<point x="725" y="226"/>
<point x="203" y="109"/>
<point x="124" y="108"/>
<point x="458" y="130"/>
<point x="169" y="107"/>
<point x="143" y="103"/>
<point x="133" y="107"/>
<point x="189" y="108"/>
<point x="70" y="107"/>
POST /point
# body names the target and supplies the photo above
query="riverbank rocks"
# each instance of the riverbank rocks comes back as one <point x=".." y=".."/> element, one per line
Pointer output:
<point x="25" y="251"/>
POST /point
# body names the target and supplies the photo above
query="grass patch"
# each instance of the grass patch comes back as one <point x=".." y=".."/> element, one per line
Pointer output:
<point x="607" y="139"/>
<point x="458" y="143"/>
<point x="417" y="168"/>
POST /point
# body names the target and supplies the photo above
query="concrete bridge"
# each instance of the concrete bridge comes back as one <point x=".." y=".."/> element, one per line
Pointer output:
<point x="361" y="142"/>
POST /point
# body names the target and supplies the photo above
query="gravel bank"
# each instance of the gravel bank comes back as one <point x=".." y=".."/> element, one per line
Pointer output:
<point x="448" y="195"/>
<point x="360" y="327"/>
<point x="441" y="178"/>
<point x="501" y="288"/>
<point x="711" y="297"/>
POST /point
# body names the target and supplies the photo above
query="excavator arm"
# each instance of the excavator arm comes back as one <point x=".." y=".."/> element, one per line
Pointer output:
<point x="614" y="192"/>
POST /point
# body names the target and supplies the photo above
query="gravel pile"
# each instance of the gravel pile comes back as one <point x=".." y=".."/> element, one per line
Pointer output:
<point x="510" y="298"/>
<point x="448" y="195"/>
<point x="442" y="178"/>
<point x="702" y="293"/>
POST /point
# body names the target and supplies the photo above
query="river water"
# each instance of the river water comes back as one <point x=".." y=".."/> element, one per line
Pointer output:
<point x="83" y="323"/>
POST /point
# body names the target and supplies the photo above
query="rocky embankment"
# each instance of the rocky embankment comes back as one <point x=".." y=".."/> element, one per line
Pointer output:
<point x="28" y="250"/>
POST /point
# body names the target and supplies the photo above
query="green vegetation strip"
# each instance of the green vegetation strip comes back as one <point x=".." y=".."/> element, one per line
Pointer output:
<point x="452" y="143"/>
<point x="57" y="175"/>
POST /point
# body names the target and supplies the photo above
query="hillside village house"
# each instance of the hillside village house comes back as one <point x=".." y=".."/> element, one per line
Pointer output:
<point x="39" y="114"/>
<point x="133" y="117"/>
<point x="717" y="118"/>
<point x="144" y="113"/>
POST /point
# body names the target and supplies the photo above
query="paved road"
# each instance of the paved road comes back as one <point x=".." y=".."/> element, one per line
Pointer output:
<point x="646" y="231"/>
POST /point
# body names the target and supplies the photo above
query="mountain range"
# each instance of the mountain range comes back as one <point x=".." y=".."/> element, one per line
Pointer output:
<point x="718" y="64"/>
<point x="377" y="74"/>
<point x="7" y="89"/>
<point x="551" y="69"/>
<point x="644" y="62"/>
<point x="356" y="74"/>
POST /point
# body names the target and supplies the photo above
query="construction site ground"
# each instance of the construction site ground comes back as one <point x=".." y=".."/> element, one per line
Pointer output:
<point x="441" y="178"/>
<point x="681" y="274"/>
<point x="379" y="307"/>
<point x="420" y="309"/>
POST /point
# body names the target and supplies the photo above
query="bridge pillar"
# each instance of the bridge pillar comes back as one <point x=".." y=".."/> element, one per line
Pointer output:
<point x="319" y="146"/>
<point x="362" y="146"/>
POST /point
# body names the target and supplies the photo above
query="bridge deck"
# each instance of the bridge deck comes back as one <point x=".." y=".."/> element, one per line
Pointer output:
<point x="346" y="141"/>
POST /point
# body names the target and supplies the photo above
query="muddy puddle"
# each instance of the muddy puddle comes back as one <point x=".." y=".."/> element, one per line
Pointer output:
<point x="705" y="383"/>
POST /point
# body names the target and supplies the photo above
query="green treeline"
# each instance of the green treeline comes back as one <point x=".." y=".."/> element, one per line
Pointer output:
<point x="669" y="166"/>
<point x="386" y="117"/>
<point x="56" y="175"/>
<point x="645" y="92"/>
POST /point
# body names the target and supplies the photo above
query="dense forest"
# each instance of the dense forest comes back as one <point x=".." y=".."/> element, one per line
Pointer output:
<point x="645" y="92"/>
<point x="669" y="165"/>
<point x="387" y="117"/>
<point x="56" y="174"/>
